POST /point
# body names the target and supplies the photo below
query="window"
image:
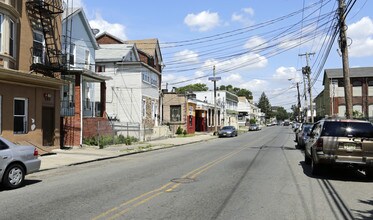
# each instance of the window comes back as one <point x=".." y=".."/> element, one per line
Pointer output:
<point x="370" y="88"/>
<point x="1" y="117"/>
<point x="1" y="31"/>
<point x="38" y="47"/>
<point x="86" y="59"/>
<point x="11" y="38"/>
<point x="175" y="111"/>
<point x="20" y="116"/>
<point x="72" y="54"/>
<point x="100" y="68"/>
<point x="143" y="108"/>
<point x="3" y="146"/>
<point x="356" y="88"/>
<point x="342" y="111"/>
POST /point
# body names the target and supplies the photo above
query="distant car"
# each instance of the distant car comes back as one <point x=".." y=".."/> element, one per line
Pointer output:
<point x="227" y="131"/>
<point x="16" y="161"/>
<point x="303" y="134"/>
<point x="340" y="142"/>
<point x="254" y="127"/>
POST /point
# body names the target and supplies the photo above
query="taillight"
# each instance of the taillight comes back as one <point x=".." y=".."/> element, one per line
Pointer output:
<point x="36" y="152"/>
<point x="319" y="144"/>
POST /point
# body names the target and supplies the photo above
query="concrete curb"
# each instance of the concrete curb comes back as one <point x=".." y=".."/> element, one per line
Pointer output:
<point x="122" y="154"/>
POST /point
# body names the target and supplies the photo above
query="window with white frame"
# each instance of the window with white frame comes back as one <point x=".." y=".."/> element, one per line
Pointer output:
<point x="1" y="31"/>
<point x="11" y="38"/>
<point x="38" y="47"/>
<point x="87" y="59"/>
<point x="356" y="88"/>
<point x="20" y="115"/>
<point x="341" y="110"/>
<point x="370" y="88"/>
<point x="175" y="113"/>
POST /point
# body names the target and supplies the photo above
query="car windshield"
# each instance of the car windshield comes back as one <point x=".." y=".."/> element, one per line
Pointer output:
<point x="307" y="128"/>
<point x="227" y="128"/>
<point x="348" y="129"/>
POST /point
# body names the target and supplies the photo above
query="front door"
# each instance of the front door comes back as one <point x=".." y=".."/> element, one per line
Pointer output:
<point x="48" y="126"/>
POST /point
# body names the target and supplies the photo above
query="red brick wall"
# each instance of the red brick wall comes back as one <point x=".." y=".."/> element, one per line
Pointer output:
<point x="93" y="127"/>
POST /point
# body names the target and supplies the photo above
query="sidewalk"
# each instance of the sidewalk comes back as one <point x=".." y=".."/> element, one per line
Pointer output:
<point x="80" y="155"/>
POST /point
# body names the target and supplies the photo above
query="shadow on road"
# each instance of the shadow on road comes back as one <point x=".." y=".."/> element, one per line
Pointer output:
<point x="336" y="173"/>
<point x="27" y="183"/>
<point x="364" y="215"/>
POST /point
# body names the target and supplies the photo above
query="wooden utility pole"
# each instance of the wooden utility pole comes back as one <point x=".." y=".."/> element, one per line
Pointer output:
<point x="214" y="79"/>
<point x="307" y="72"/>
<point x="298" y="110"/>
<point x="344" y="49"/>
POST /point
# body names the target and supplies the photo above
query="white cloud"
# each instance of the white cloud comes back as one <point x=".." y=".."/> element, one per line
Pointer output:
<point x="255" y="43"/>
<point x="244" y="17"/>
<point x="203" y="21"/>
<point x="287" y="73"/>
<point x="256" y="86"/>
<point x="361" y="34"/>
<point x="186" y="56"/>
<point x="115" y="29"/>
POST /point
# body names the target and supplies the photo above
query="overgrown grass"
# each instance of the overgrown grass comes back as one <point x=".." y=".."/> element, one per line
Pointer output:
<point x="103" y="141"/>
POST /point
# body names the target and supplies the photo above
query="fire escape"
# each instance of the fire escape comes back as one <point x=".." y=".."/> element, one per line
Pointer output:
<point x="44" y="16"/>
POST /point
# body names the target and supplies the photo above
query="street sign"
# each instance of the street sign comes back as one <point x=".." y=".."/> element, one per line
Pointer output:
<point x="215" y="78"/>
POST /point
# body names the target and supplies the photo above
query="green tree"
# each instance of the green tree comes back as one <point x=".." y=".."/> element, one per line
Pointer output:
<point x="192" y="87"/>
<point x="265" y="106"/>
<point x="281" y="114"/>
<point x="238" y="91"/>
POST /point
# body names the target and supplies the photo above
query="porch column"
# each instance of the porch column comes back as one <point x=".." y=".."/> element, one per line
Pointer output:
<point x="103" y="98"/>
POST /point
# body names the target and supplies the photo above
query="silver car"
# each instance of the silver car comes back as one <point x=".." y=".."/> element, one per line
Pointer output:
<point x="16" y="161"/>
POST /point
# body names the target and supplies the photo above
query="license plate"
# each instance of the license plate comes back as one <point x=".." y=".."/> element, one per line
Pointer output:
<point x="349" y="146"/>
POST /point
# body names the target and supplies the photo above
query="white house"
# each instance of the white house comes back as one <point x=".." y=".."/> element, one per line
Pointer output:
<point x="244" y="109"/>
<point x="132" y="95"/>
<point x="228" y="103"/>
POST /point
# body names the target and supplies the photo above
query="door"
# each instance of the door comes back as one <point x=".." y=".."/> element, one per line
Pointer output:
<point x="48" y="126"/>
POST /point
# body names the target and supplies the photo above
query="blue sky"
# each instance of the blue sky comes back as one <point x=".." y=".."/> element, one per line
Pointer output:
<point x="236" y="36"/>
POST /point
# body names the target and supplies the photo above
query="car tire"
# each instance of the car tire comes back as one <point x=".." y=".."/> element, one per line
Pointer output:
<point x="315" y="168"/>
<point x="307" y="159"/>
<point x="14" y="176"/>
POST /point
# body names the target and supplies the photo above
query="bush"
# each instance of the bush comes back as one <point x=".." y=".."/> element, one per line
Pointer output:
<point x="185" y="132"/>
<point x="179" y="131"/>
<point x="103" y="141"/>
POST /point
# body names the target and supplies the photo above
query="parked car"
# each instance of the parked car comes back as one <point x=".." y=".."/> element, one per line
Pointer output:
<point x="303" y="134"/>
<point x="254" y="127"/>
<point x="227" y="131"/>
<point x="340" y="142"/>
<point x="16" y="161"/>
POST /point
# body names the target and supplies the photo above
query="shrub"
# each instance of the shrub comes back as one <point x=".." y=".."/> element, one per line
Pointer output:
<point x="185" y="132"/>
<point x="179" y="131"/>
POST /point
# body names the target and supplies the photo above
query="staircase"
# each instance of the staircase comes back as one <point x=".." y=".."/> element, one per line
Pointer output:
<point x="43" y="16"/>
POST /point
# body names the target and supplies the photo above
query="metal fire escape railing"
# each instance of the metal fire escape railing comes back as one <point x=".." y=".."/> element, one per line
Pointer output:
<point x="43" y="16"/>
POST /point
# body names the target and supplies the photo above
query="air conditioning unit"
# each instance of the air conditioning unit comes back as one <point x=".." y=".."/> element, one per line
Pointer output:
<point x="37" y="59"/>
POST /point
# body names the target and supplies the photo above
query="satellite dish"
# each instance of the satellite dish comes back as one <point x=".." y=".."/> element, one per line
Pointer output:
<point x="95" y="31"/>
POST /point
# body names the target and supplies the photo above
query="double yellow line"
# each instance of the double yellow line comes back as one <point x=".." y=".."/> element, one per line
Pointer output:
<point x="127" y="206"/>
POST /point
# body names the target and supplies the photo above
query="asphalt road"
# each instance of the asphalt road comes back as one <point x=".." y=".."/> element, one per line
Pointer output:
<point x="257" y="175"/>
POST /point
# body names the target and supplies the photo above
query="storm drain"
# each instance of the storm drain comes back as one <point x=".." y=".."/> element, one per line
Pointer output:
<point x="183" y="180"/>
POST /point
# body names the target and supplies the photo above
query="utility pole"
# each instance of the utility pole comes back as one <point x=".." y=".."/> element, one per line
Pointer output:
<point x="214" y="79"/>
<point x="307" y="72"/>
<point x="299" y="114"/>
<point x="345" y="63"/>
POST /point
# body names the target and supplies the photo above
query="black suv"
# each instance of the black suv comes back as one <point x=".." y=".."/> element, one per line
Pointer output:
<point x="340" y="142"/>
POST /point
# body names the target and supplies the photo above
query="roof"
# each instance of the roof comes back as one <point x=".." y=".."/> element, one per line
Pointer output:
<point x="242" y="99"/>
<point x="149" y="46"/>
<point x="354" y="73"/>
<point x="115" y="38"/>
<point x="70" y="13"/>
<point x="113" y="52"/>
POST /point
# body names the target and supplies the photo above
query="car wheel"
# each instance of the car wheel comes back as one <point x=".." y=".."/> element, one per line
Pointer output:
<point x="14" y="176"/>
<point x="315" y="168"/>
<point x="369" y="173"/>
<point x="307" y="159"/>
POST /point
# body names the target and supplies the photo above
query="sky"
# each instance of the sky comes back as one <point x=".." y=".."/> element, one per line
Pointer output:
<point x="255" y="45"/>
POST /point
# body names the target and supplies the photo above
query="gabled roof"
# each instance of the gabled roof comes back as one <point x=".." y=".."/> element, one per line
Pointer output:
<point x="115" y="52"/>
<point x="149" y="46"/>
<point x="72" y="12"/>
<point x="354" y="73"/>
<point x="114" y="38"/>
